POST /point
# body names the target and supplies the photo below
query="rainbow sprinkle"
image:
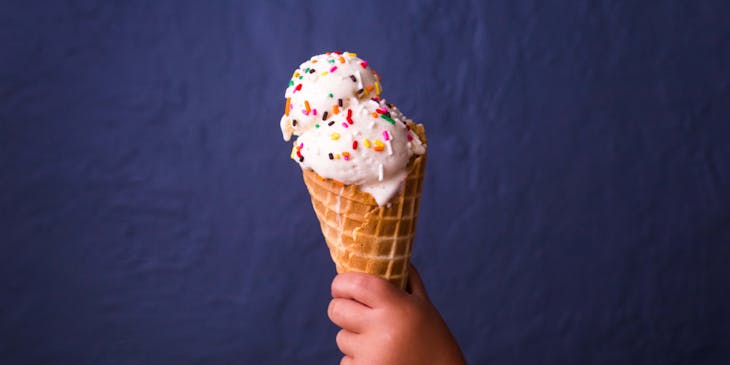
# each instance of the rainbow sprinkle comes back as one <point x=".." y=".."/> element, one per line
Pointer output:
<point x="379" y="146"/>
<point x="388" y="118"/>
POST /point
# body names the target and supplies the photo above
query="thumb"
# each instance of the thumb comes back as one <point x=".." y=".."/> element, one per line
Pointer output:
<point x="415" y="284"/>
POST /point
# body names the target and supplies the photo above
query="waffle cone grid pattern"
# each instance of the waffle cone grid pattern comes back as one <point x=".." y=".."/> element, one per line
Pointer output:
<point x="363" y="236"/>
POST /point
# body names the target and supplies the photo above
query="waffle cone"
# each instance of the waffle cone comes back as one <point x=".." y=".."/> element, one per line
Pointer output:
<point x="363" y="236"/>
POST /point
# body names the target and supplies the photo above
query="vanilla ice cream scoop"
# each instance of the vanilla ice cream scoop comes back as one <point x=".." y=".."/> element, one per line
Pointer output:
<point x="346" y="132"/>
<point x="323" y="86"/>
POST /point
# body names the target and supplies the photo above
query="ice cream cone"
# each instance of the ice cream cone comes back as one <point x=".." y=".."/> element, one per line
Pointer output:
<point x="363" y="236"/>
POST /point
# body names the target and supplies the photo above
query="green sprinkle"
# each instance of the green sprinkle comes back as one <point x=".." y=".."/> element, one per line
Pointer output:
<point x="331" y="96"/>
<point x="316" y="126"/>
<point x="301" y="77"/>
<point x="389" y="119"/>
<point x="332" y="61"/>
<point x="307" y="70"/>
<point x="291" y="82"/>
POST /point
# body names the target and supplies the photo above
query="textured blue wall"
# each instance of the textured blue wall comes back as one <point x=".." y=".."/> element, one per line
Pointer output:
<point x="576" y="208"/>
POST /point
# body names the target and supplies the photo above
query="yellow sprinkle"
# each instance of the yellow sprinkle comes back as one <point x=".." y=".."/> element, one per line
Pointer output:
<point x="337" y="157"/>
<point x="324" y="73"/>
<point x="352" y="54"/>
<point x="379" y="146"/>
<point x="367" y="143"/>
<point x="335" y="136"/>
<point x="314" y="61"/>
<point x="377" y="88"/>
<point x="296" y="74"/>
<point x="293" y="152"/>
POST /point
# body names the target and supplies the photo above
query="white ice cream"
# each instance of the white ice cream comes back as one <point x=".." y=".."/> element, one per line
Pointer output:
<point x="346" y="132"/>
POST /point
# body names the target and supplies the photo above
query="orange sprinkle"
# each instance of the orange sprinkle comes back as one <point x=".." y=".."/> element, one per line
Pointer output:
<point x="374" y="114"/>
<point x="335" y="109"/>
<point x="296" y="74"/>
<point x="340" y="183"/>
<point x="306" y="106"/>
<point x="314" y="61"/>
<point x="346" y="154"/>
<point x="342" y="59"/>
<point x="286" y="107"/>
<point x="379" y="146"/>
<point x="369" y="88"/>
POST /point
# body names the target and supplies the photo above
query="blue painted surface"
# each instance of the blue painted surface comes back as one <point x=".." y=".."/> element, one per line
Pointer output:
<point x="576" y="207"/>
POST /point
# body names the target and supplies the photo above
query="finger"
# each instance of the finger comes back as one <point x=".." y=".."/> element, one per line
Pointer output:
<point x="348" y="314"/>
<point x="364" y="288"/>
<point x="346" y="342"/>
<point x="347" y="360"/>
<point x="415" y="284"/>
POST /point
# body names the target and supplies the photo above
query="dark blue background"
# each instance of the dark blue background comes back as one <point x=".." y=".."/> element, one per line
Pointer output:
<point x="576" y="208"/>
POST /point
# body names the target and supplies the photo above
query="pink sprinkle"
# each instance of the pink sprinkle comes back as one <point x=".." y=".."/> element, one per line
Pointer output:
<point x="301" y="145"/>
<point x="344" y="124"/>
<point x="347" y="158"/>
<point x="314" y="111"/>
<point x="409" y="137"/>
<point x="386" y="136"/>
<point x="333" y="69"/>
<point x="305" y="112"/>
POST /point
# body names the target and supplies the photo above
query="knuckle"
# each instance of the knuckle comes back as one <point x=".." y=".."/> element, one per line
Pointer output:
<point x="340" y="339"/>
<point x="332" y="310"/>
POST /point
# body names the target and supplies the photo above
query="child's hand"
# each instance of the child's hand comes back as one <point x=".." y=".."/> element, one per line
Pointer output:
<point x="384" y="325"/>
